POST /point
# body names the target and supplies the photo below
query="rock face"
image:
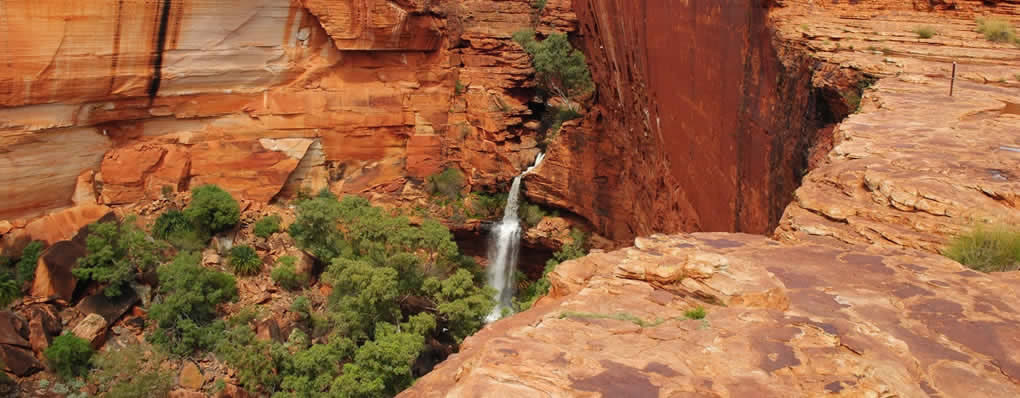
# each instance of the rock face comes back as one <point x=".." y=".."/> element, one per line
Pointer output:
<point x="265" y="97"/>
<point x="782" y="320"/>
<point x="674" y="145"/>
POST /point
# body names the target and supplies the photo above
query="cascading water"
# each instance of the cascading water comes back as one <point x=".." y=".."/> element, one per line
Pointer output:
<point x="504" y="247"/>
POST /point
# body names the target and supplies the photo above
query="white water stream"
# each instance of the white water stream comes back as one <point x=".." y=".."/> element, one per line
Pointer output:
<point x="504" y="247"/>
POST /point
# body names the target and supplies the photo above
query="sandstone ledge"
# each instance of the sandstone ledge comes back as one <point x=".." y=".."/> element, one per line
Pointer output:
<point x="783" y="320"/>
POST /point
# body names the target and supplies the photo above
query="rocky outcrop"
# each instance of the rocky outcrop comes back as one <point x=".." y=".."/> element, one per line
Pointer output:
<point x="782" y="320"/>
<point x="915" y="167"/>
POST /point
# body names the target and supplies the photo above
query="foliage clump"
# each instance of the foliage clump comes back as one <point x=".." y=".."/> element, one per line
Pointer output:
<point x="10" y="289"/>
<point x="695" y="313"/>
<point x="561" y="70"/>
<point x="267" y="226"/>
<point x="925" y="32"/>
<point x="245" y="260"/>
<point x="446" y="185"/>
<point x="130" y="372"/>
<point x="29" y="259"/>
<point x="997" y="30"/>
<point x="170" y="223"/>
<point x="186" y="311"/>
<point x="987" y="249"/>
<point x="69" y="356"/>
<point x="115" y="253"/>
<point x="212" y="209"/>
<point x="286" y="276"/>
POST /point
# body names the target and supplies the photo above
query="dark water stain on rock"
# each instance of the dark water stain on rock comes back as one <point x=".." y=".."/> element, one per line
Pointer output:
<point x="937" y="306"/>
<point x="661" y="369"/>
<point x="618" y="380"/>
<point x="723" y="243"/>
<point x="914" y="267"/>
<point x="834" y="387"/>
<point x="907" y="291"/>
<point x="794" y="280"/>
<point x="871" y="264"/>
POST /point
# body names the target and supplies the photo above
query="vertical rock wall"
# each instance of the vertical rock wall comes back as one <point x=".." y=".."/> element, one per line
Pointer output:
<point x="701" y="123"/>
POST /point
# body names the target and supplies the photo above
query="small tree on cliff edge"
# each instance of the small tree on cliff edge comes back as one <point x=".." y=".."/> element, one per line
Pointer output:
<point x="561" y="70"/>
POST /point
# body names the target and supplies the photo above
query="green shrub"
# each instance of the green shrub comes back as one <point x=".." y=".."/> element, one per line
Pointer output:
<point x="560" y="115"/>
<point x="213" y="209"/>
<point x="459" y="88"/>
<point x="363" y="295"/>
<point x="131" y="372"/>
<point x="987" y="249"/>
<point x="695" y="313"/>
<point x="69" y="356"/>
<point x="461" y="304"/>
<point x="561" y="70"/>
<point x="10" y="289"/>
<point x="311" y="371"/>
<point x="487" y="206"/>
<point x="267" y="226"/>
<point x="245" y="260"/>
<point x="169" y="223"/>
<point x="258" y="363"/>
<point x="381" y="368"/>
<point x="996" y="30"/>
<point x="286" y="275"/>
<point x="925" y="32"/>
<point x="446" y="184"/>
<point x="531" y="214"/>
<point x="185" y="311"/>
<point x="28" y="261"/>
<point x="115" y="254"/>
<point x="538" y="4"/>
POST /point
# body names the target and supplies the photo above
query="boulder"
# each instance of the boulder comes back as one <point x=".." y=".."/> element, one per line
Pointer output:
<point x="268" y="330"/>
<point x="53" y="278"/>
<point x="19" y="360"/>
<point x="13" y="330"/>
<point x="182" y="393"/>
<point x="110" y="309"/>
<point x="93" y="329"/>
<point x="191" y="376"/>
<point x="43" y="324"/>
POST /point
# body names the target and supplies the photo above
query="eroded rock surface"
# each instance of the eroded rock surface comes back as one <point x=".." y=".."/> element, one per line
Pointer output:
<point x="782" y="320"/>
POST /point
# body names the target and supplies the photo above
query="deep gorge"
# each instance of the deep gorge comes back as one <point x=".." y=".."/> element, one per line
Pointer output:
<point x="722" y="116"/>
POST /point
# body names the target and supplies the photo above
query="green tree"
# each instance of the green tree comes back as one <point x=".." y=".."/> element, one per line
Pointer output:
<point x="461" y="303"/>
<point x="362" y="295"/>
<point x="311" y="371"/>
<point x="286" y="276"/>
<point x="10" y="289"/>
<point x="28" y="261"/>
<point x="267" y="226"/>
<point x="213" y="209"/>
<point x="446" y="185"/>
<point x="189" y="297"/>
<point x="381" y="368"/>
<point x="169" y="223"/>
<point x="115" y="254"/>
<point x="316" y="228"/>
<point x="69" y="355"/>
<point x="561" y="70"/>
<point x="258" y="363"/>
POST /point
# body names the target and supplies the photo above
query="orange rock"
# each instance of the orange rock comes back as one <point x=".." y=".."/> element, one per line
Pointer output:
<point x="790" y="326"/>
<point x="190" y="376"/>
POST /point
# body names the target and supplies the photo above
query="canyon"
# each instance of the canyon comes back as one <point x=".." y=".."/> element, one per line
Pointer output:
<point x="824" y="128"/>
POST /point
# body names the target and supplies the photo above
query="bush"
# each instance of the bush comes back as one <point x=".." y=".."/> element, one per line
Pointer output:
<point x="286" y="275"/>
<point x="485" y="205"/>
<point x="695" y="313"/>
<point x="316" y="227"/>
<point x="169" y="223"/>
<point x="258" y="363"/>
<point x="69" y="356"/>
<point x="538" y="4"/>
<point x="245" y="260"/>
<point x="531" y="214"/>
<point x="446" y="184"/>
<point x="381" y="368"/>
<point x="131" y="373"/>
<point x="185" y="312"/>
<point x="925" y="32"/>
<point x="28" y="261"/>
<point x="267" y="226"/>
<point x="996" y="30"/>
<point x="115" y="254"/>
<point x="987" y="249"/>
<point x="561" y="70"/>
<point x="10" y="289"/>
<point x="461" y="304"/>
<point x="363" y="295"/>
<point x="560" y="115"/>
<point x="213" y="209"/>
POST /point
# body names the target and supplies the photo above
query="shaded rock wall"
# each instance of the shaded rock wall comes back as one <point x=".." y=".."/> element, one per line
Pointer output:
<point x="701" y="124"/>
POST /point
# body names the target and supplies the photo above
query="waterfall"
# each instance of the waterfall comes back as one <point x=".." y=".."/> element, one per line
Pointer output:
<point x="504" y="247"/>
